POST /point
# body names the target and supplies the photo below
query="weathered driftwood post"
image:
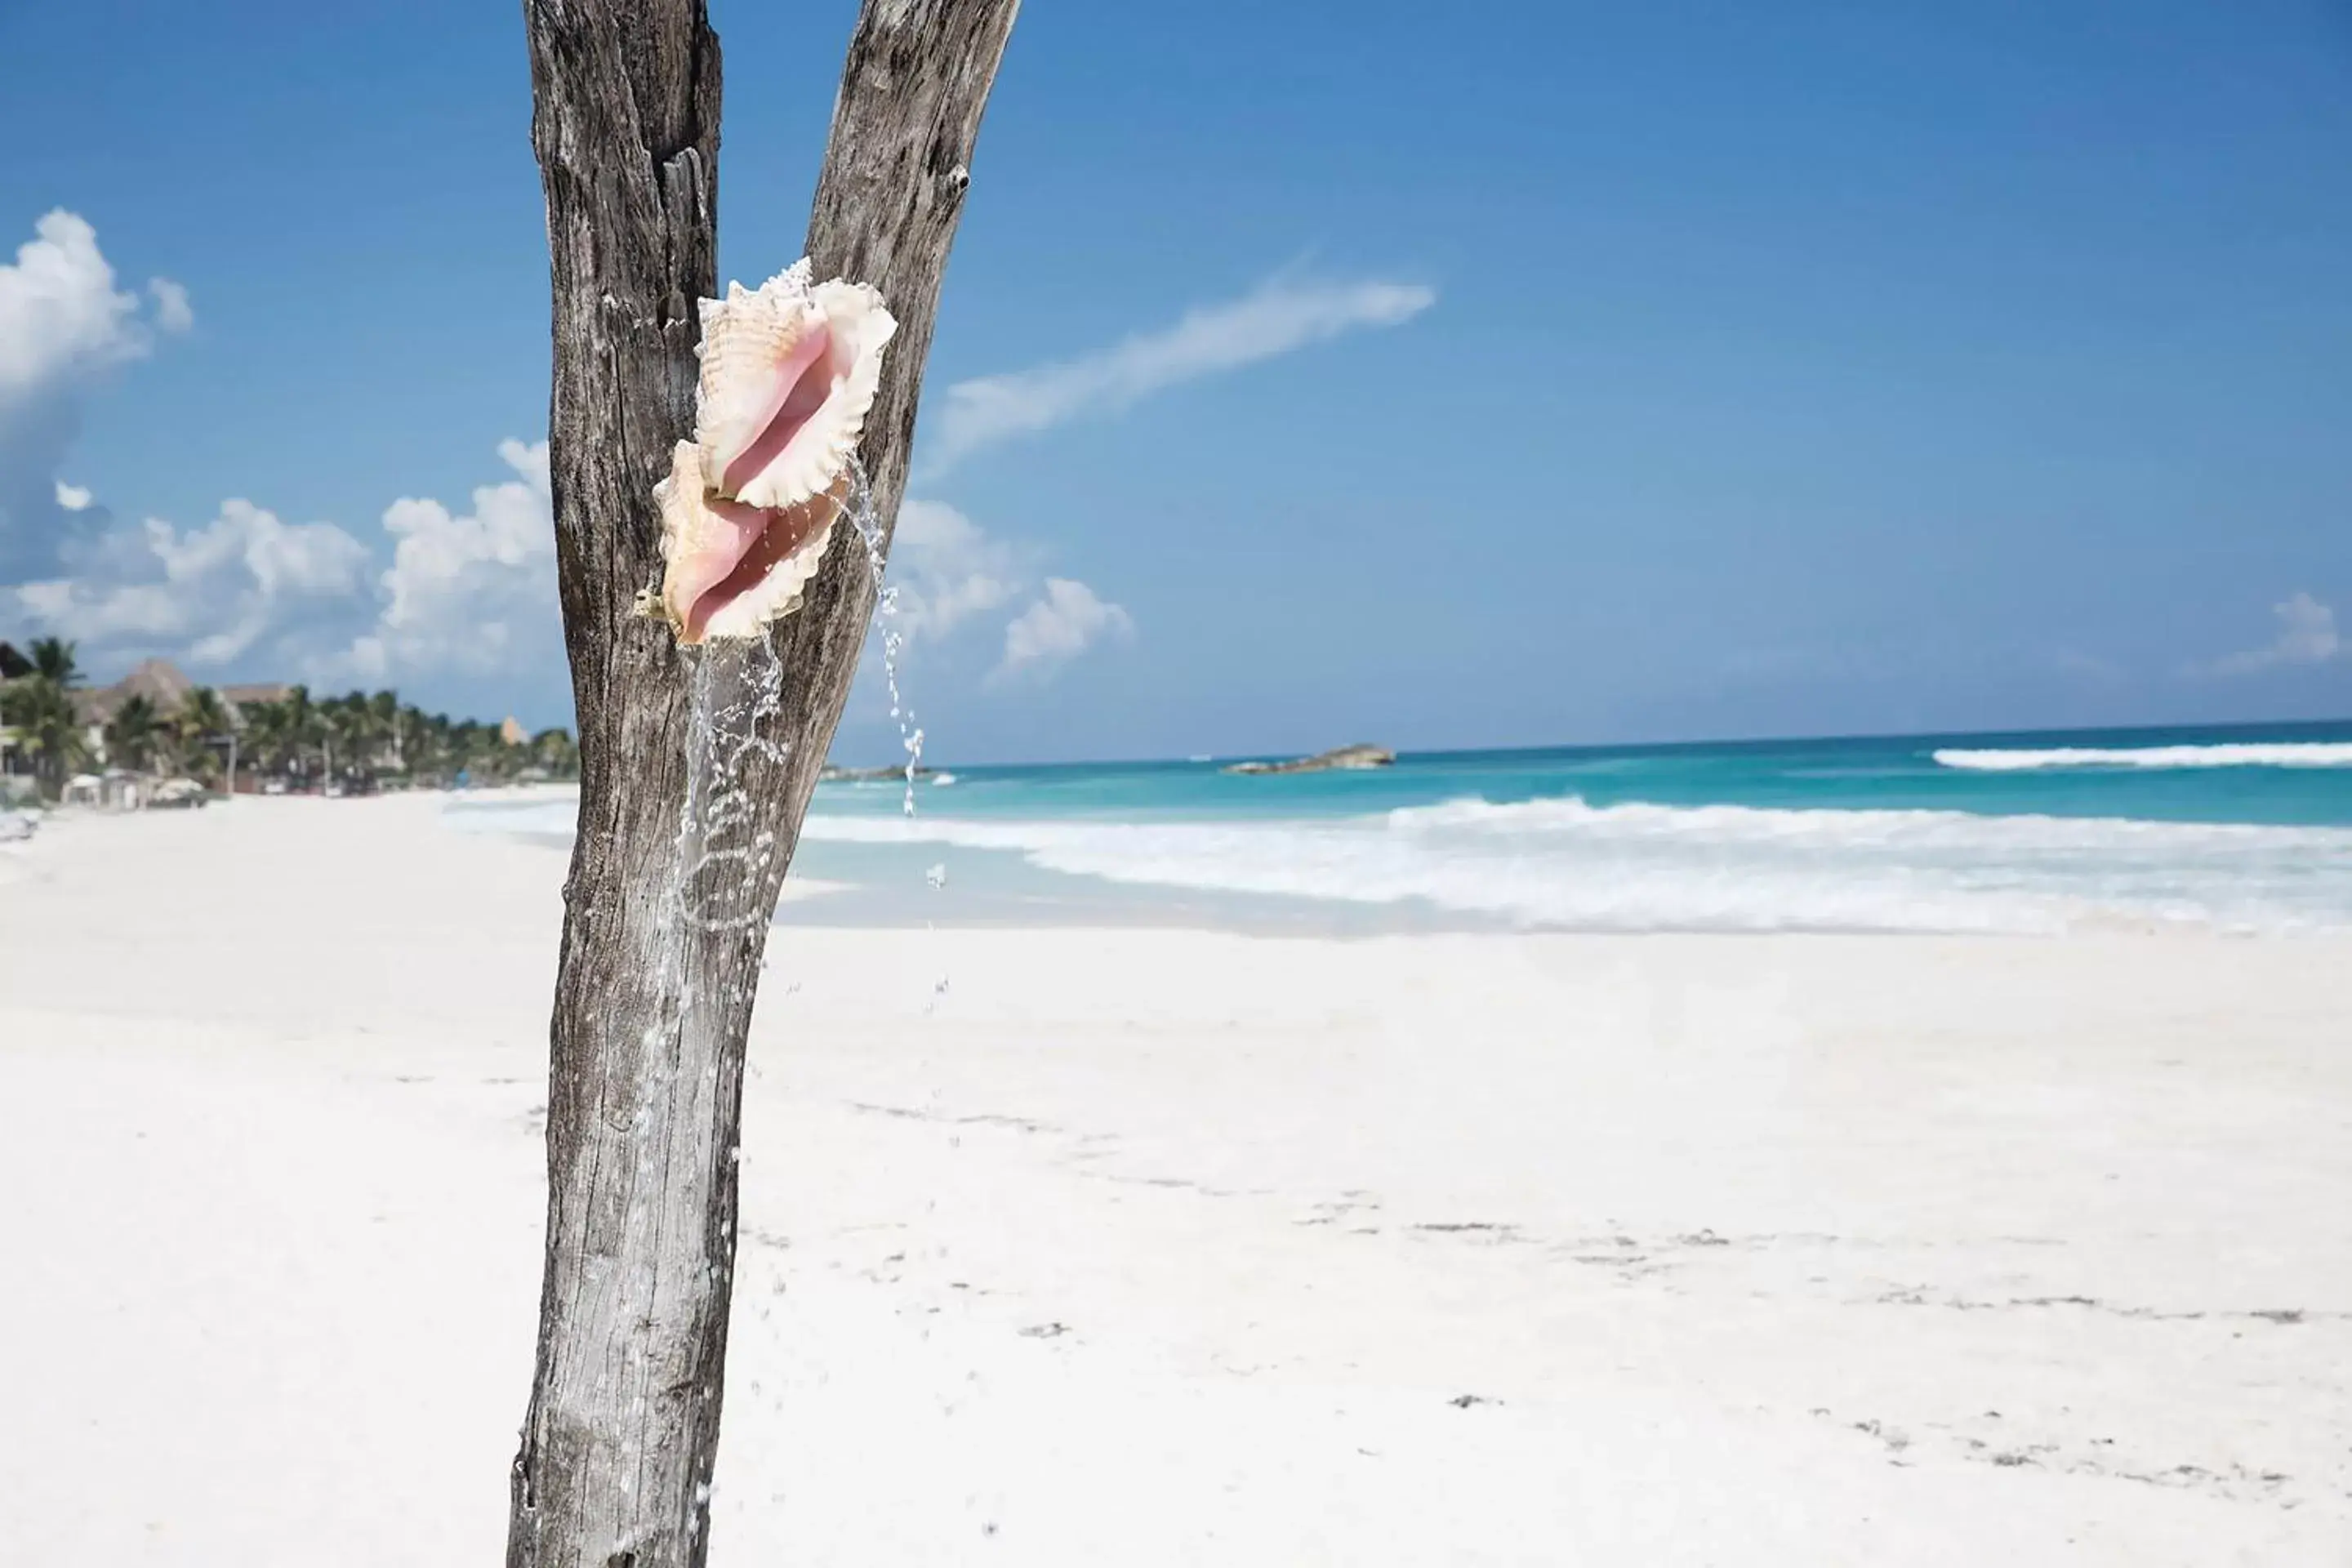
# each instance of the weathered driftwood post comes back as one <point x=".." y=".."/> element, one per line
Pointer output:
<point x="652" y="1009"/>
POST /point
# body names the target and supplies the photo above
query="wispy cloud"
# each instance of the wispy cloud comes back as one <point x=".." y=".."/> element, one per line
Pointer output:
<point x="1282" y="314"/>
<point x="2306" y="635"/>
<point x="948" y="575"/>
<point x="944" y="569"/>
<point x="2088" y="667"/>
<point x="1063" y="622"/>
<point x="172" y="311"/>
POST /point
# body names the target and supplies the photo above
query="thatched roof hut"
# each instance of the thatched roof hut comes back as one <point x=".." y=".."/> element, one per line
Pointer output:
<point x="166" y="687"/>
<point x="158" y="680"/>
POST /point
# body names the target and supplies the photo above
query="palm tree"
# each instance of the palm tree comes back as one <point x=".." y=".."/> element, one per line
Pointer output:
<point x="412" y="740"/>
<point x="349" y="723"/>
<point x="369" y="729"/>
<point x="41" y="707"/>
<point x="383" y="718"/>
<point x="174" y="750"/>
<point x="441" y="735"/>
<point x="202" y="723"/>
<point x="304" y="731"/>
<point x="130" y="734"/>
<point x="474" y="749"/>
<point x="53" y="660"/>
<point x="270" y="735"/>
<point x="554" y="751"/>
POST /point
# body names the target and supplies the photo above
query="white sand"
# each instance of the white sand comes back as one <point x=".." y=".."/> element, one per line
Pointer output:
<point x="1143" y="1247"/>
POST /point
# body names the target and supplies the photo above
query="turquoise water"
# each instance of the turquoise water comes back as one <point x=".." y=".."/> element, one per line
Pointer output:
<point x="1869" y="773"/>
<point x="2243" y="828"/>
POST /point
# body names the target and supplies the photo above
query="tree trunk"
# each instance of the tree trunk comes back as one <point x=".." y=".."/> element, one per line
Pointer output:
<point x="695" y="766"/>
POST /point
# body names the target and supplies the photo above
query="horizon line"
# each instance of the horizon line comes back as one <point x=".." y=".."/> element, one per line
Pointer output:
<point x="1403" y="753"/>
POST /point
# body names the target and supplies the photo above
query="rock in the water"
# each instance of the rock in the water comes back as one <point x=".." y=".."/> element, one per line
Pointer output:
<point x="1324" y="762"/>
<point x="866" y="775"/>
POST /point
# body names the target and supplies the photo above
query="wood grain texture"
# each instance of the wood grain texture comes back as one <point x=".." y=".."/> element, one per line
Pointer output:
<point x="695" y="768"/>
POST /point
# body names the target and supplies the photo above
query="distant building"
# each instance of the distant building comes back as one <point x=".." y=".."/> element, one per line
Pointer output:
<point x="13" y="665"/>
<point x="166" y="689"/>
<point x="158" y="680"/>
<point x="165" y="686"/>
<point x="512" y="732"/>
<point x="240" y="697"/>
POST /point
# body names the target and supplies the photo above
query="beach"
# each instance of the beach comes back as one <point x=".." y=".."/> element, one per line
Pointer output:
<point x="1151" y="1244"/>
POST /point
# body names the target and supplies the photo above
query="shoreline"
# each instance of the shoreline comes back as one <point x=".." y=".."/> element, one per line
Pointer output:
<point x="931" y="877"/>
<point x="1165" y="1246"/>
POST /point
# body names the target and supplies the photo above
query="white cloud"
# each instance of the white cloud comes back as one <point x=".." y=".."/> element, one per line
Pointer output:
<point x="73" y="497"/>
<point x="1066" y="620"/>
<point x="63" y="324"/>
<point x="944" y="569"/>
<point x="948" y="574"/>
<point x="2306" y="635"/>
<point x="473" y="592"/>
<point x="208" y="595"/>
<point x="1278" y="316"/>
<point x="59" y="312"/>
<point x="172" y="313"/>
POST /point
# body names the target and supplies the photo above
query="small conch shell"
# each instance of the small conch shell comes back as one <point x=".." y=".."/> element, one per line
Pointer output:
<point x="788" y="373"/>
<point x="734" y="568"/>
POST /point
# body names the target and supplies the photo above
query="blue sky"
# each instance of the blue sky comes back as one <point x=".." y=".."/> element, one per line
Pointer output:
<point x="1306" y="374"/>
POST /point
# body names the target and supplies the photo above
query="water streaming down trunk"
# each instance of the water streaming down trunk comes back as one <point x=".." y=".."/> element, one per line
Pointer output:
<point x="696" y="768"/>
<point x="860" y="515"/>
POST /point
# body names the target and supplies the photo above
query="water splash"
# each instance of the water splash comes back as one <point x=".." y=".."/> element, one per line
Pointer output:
<point x="722" y="854"/>
<point x="735" y="688"/>
<point x="885" y="606"/>
<point x="862" y="518"/>
<point x="708" y="897"/>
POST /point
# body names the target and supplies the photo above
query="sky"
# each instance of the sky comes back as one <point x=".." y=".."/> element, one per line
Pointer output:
<point x="1306" y="374"/>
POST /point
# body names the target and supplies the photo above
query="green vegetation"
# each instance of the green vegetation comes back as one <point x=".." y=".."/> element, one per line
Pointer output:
<point x="130" y="735"/>
<point x="363" y="740"/>
<point x="354" y="744"/>
<point x="39" y="707"/>
<point x="199" y="736"/>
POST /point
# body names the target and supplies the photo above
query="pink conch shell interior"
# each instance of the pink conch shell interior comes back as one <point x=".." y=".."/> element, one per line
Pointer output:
<point x="789" y="372"/>
<point x="733" y="568"/>
<point x="803" y="379"/>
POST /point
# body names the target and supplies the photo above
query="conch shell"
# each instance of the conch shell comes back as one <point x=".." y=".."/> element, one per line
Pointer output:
<point x="789" y="372"/>
<point x="734" y="568"/>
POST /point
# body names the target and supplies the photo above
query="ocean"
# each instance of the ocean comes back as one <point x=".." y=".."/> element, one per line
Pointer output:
<point x="2236" y="829"/>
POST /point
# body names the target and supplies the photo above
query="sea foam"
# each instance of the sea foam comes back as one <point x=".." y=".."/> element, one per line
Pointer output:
<point x="2248" y="754"/>
<point x="1563" y="863"/>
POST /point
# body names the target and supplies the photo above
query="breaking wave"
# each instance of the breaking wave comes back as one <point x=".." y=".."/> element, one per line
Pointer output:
<point x="2274" y="754"/>
<point x="1565" y="864"/>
